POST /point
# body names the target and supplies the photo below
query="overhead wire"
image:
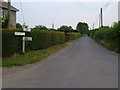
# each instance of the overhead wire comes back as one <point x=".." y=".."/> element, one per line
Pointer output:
<point x="104" y="7"/>
<point x="23" y="17"/>
<point x="107" y="4"/>
<point x="97" y="18"/>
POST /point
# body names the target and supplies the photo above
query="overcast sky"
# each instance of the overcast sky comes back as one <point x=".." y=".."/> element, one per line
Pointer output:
<point x="65" y="13"/>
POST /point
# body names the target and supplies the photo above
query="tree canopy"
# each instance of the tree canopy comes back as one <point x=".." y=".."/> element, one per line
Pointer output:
<point x="18" y="25"/>
<point x="40" y="27"/>
<point x="83" y="28"/>
<point x="65" y="28"/>
<point x="4" y="21"/>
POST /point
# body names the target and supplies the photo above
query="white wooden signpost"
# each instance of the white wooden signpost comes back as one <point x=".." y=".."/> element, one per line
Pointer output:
<point x="26" y="29"/>
<point x="24" y="38"/>
<point x="27" y="38"/>
<point x="19" y="33"/>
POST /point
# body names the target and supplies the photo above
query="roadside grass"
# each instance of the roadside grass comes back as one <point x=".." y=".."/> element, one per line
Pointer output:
<point x="31" y="57"/>
<point x="0" y="62"/>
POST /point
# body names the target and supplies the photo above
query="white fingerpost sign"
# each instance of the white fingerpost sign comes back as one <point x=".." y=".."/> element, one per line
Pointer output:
<point x="20" y="33"/>
<point x="28" y="38"/>
<point x="26" y="29"/>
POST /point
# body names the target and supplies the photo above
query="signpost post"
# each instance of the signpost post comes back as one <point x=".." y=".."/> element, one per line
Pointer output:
<point x="23" y="48"/>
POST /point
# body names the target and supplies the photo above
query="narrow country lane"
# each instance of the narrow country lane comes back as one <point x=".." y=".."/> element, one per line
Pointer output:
<point x="83" y="64"/>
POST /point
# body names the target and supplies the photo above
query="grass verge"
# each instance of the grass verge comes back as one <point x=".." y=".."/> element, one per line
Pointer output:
<point x="31" y="57"/>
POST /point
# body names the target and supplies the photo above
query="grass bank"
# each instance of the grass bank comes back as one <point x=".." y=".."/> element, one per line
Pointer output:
<point x="31" y="57"/>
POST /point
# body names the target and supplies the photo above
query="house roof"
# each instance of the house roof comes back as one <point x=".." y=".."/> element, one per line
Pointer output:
<point x="5" y="6"/>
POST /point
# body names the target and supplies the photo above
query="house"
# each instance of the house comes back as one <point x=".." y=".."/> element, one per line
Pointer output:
<point x="4" y="12"/>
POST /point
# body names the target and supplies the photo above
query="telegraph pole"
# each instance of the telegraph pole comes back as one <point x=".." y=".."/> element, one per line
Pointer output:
<point x="99" y="20"/>
<point x="101" y="16"/>
<point x="52" y="26"/>
<point x="9" y="14"/>
<point x="93" y="26"/>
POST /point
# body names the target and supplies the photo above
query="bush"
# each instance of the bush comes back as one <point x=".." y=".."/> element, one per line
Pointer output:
<point x="92" y="33"/>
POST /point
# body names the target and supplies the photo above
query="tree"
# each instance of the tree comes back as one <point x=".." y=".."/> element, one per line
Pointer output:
<point x="83" y="28"/>
<point x="18" y="25"/>
<point x="40" y="27"/>
<point x="77" y="31"/>
<point x="65" y="28"/>
<point x="51" y="29"/>
<point x="4" y="21"/>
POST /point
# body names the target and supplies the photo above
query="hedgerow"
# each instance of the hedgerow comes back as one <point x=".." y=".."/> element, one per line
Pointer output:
<point x="45" y="39"/>
<point x="108" y="36"/>
<point x="72" y="36"/>
<point x="8" y="43"/>
<point x="42" y="39"/>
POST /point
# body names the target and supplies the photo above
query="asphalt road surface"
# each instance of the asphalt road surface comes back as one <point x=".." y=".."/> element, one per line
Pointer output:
<point x="83" y="64"/>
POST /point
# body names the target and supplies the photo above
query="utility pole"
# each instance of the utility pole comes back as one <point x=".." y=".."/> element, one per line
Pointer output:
<point x="99" y="20"/>
<point x="9" y="14"/>
<point x="52" y="26"/>
<point x="93" y="26"/>
<point x="101" y="15"/>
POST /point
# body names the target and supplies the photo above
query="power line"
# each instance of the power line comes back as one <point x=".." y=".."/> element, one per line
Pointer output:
<point x="107" y="4"/>
<point x="101" y="12"/>
<point x="100" y="17"/>
<point x="97" y="19"/>
<point x="22" y="13"/>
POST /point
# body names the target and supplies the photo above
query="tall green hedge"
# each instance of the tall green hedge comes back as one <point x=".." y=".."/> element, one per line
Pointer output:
<point x="45" y="39"/>
<point x="108" y="36"/>
<point x="41" y="40"/>
<point x="72" y="36"/>
<point x="8" y="43"/>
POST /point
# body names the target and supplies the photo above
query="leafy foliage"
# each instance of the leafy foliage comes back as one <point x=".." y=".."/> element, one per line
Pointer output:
<point x="45" y="39"/>
<point x="92" y="32"/>
<point x="4" y="21"/>
<point x="72" y="36"/>
<point x="18" y="25"/>
<point x="82" y="28"/>
<point x="108" y="36"/>
<point x="41" y="40"/>
<point x="40" y="27"/>
<point x="65" y="28"/>
<point x="8" y="43"/>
